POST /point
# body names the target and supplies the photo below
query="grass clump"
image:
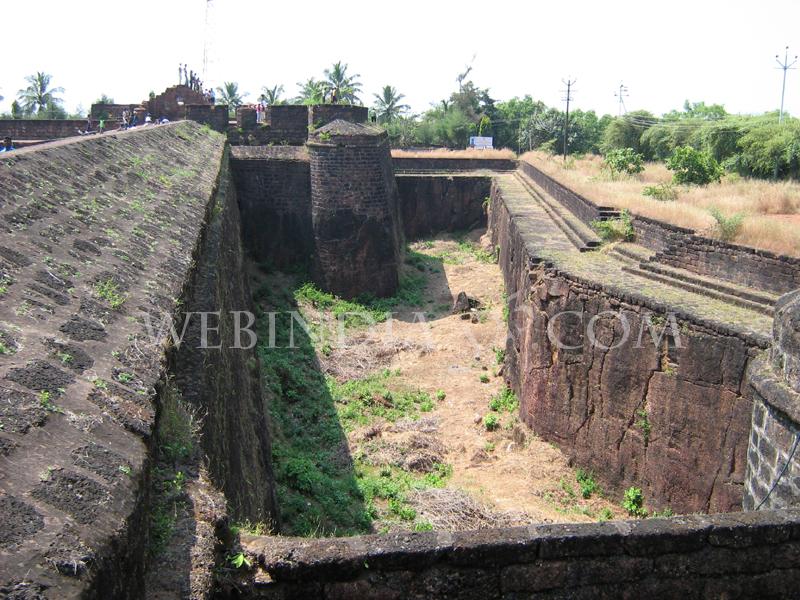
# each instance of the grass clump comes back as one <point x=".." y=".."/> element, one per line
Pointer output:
<point x="108" y="290"/>
<point x="46" y="401"/>
<point x="505" y="401"/>
<point x="361" y="401"/>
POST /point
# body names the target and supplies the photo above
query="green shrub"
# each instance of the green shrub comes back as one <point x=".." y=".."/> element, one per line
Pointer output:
<point x="605" y="515"/>
<point x="727" y="227"/>
<point x="623" y="160"/>
<point x="693" y="166"/>
<point x="665" y="192"/>
<point x="633" y="502"/>
<point x="616" y="229"/>
<point x="499" y="356"/>
<point x="587" y="483"/>
<point x="505" y="401"/>
<point x="491" y="422"/>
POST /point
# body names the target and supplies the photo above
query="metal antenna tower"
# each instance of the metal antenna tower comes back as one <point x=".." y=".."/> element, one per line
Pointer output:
<point x="785" y="65"/>
<point x="621" y="94"/>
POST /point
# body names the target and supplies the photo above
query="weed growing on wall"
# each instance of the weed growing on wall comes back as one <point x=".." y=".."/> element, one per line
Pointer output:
<point x="177" y="428"/>
<point x="619" y="229"/>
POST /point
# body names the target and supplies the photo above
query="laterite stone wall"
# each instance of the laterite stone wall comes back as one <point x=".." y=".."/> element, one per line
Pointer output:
<point x="354" y="210"/>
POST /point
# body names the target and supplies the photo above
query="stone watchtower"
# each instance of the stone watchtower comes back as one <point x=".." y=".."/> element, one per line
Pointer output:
<point x="354" y="212"/>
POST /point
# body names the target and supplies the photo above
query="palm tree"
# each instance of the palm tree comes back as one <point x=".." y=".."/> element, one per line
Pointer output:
<point x="39" y="96"/>
<point x="340" y="85"/>
<point x="271" y="95"/>
<point x="311" y="92"/>
<point x="387" y="104"/>
<point x="229" y="94"/>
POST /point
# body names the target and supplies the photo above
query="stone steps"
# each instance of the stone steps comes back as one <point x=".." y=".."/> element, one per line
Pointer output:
<point x="631" y="253"/>
<point x="641" y="261"/>
<point x="656" y="275"/>
<point x="579" y="234"/>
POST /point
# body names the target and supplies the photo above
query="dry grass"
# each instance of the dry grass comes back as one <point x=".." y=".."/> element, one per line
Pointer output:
<point x="760" y="201"/>
<point x="453" y="510"/>
<point x="445" y="153"/>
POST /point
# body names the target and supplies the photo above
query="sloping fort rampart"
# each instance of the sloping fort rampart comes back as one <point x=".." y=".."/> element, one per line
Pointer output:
<point x="105" y="237"/>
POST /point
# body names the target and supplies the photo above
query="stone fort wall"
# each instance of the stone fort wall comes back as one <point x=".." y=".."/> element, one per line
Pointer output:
<point x="773" y="458"/>
<point x="685" y="249"/>
<point x="719" y="556"/>
<point x="100" y="241"/>
<point x="591" y="399"/>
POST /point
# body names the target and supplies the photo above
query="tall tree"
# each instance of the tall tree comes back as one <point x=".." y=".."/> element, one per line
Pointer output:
<point x="229" y="94"/>
<point x="271" y="95"/>
<point x="311" y="92"/>
<point x="345" y="87"/>
<point x="39" y="97"/>
<point x="387" y="104"/>
<point x="103" y="99"/>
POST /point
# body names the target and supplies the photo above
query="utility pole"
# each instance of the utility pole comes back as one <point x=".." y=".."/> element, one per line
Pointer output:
<point x="623" y="91"/>
<point x="785" y="66"/>
<point x="569" y="83"/>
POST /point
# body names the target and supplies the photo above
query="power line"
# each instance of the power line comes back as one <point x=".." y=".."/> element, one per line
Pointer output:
<point x="569" y="83"/>
<point x="623" y="92"/>
<point x="785" y="65"/>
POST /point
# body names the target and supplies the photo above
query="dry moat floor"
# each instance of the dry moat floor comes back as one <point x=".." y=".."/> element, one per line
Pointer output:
<point x="406" y="423"/>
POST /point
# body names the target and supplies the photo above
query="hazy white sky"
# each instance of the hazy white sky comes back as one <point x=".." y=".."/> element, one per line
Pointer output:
<point x="663" y="51"/>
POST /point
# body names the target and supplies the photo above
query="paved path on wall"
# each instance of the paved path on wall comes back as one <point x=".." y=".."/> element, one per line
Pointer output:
<point x="601" y="267"/>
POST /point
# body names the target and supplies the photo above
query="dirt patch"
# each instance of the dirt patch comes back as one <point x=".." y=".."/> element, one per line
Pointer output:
<point x="501" y="474"/>
<point x="71" y="356"/>
<point x="68" y="554"/>
<point x="109" y="465"/>
<point x="40" y="375"/>
<point x="20" y="521"/>
<point x="14" y="257"/>
<point x="73" y="493"/>
<point x="81" y="330"/>
<point x="19" y="411"/>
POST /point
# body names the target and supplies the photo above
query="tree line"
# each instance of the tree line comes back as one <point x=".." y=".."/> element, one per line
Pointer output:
<point x="752" y="145"/>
